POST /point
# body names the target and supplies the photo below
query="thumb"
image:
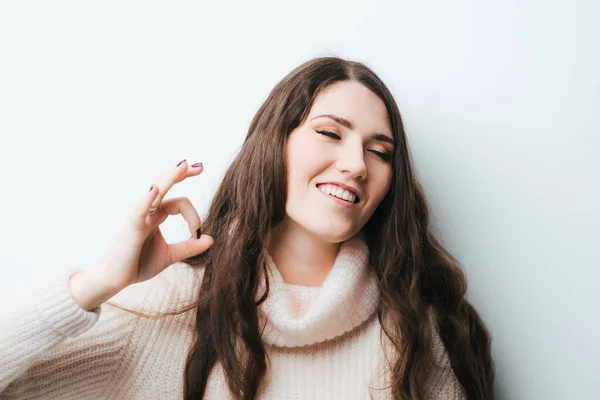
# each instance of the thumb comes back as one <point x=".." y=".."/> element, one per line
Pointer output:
<point x="190" y="247"/>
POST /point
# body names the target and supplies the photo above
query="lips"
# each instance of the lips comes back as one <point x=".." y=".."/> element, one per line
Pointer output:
<point x="356" y="198"/>
<point x="348" y="187"/>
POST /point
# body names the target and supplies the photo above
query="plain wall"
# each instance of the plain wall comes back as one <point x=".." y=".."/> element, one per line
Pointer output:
<point x="500" y="102"/>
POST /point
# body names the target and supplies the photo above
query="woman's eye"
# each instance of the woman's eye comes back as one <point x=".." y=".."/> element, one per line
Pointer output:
<point x="330" y="134"/>
<point x="383" y="156"/>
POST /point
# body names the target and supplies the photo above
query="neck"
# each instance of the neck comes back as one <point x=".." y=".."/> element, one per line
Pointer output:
<point x="300" y="256"/>
<point x="347" y="297"/>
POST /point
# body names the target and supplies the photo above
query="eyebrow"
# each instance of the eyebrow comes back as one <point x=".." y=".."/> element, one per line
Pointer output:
<point x="350" y="125"/>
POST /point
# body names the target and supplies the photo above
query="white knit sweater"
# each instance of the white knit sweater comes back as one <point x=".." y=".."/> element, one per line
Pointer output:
<point x="323" y="342"/>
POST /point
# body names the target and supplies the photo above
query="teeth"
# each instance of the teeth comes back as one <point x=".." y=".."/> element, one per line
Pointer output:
<point x="337" y="192"/>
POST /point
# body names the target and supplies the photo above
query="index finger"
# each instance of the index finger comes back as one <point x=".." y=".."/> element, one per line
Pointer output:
<point x="165" y="182"/>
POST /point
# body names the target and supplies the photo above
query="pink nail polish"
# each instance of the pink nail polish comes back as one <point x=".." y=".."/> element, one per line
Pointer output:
<point x="197" y="165"/>
<point x="181" y="162"/>
<point x="151" y="187"/>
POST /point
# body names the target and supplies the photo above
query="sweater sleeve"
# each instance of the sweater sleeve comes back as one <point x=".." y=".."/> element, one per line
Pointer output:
<point x="32" y="328"/>
<point x="444" y="384"/>
<point x="52" y="348"/>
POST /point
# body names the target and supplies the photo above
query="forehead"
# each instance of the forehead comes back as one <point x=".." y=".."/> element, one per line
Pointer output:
<point x="354" y="102"/>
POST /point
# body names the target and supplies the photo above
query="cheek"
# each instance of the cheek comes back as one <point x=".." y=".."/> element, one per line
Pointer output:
<point x="382" y="186"/>
<point x="302" y="161"/>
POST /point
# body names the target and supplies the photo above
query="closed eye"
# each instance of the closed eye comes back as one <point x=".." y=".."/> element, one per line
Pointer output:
<point x="330" y="134"/>
<point x="381" y="155"/>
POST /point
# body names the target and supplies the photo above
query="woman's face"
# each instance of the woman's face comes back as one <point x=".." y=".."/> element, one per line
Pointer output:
<point x="359" y="157"/>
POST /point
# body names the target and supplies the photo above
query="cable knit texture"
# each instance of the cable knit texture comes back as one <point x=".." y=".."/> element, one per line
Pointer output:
<point x="323" y="342"/>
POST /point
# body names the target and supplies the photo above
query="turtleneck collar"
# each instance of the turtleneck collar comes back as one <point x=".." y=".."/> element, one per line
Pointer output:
<point x="349" y="296"/>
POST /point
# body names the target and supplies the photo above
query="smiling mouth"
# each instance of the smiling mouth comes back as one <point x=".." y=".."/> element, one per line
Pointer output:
<point x="356" y="199"/>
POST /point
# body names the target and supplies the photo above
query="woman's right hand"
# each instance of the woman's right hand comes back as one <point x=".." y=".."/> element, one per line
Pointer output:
<point x="140" y="252"/>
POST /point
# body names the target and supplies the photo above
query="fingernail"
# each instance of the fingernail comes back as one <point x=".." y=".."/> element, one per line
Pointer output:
<point x="181" y="162"/>
<point x="197" y="165"/>
<point x="198" y="233"/>
<point x="151" y="187"/>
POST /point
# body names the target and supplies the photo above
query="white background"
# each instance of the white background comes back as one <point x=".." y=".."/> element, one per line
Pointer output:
<point x="500" y="100"/>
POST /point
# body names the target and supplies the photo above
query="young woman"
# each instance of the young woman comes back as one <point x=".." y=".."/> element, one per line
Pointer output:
<point x="316" y="276"/>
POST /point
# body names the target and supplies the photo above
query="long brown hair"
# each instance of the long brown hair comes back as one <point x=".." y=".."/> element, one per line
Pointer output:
<point x="416" y="275"/>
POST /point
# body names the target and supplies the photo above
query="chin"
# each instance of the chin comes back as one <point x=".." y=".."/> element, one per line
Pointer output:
<point x="327" y="232"/>
<point x="335" y="237"/>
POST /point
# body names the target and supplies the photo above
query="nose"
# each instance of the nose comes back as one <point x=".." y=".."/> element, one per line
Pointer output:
<point x="351" y="160"/>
